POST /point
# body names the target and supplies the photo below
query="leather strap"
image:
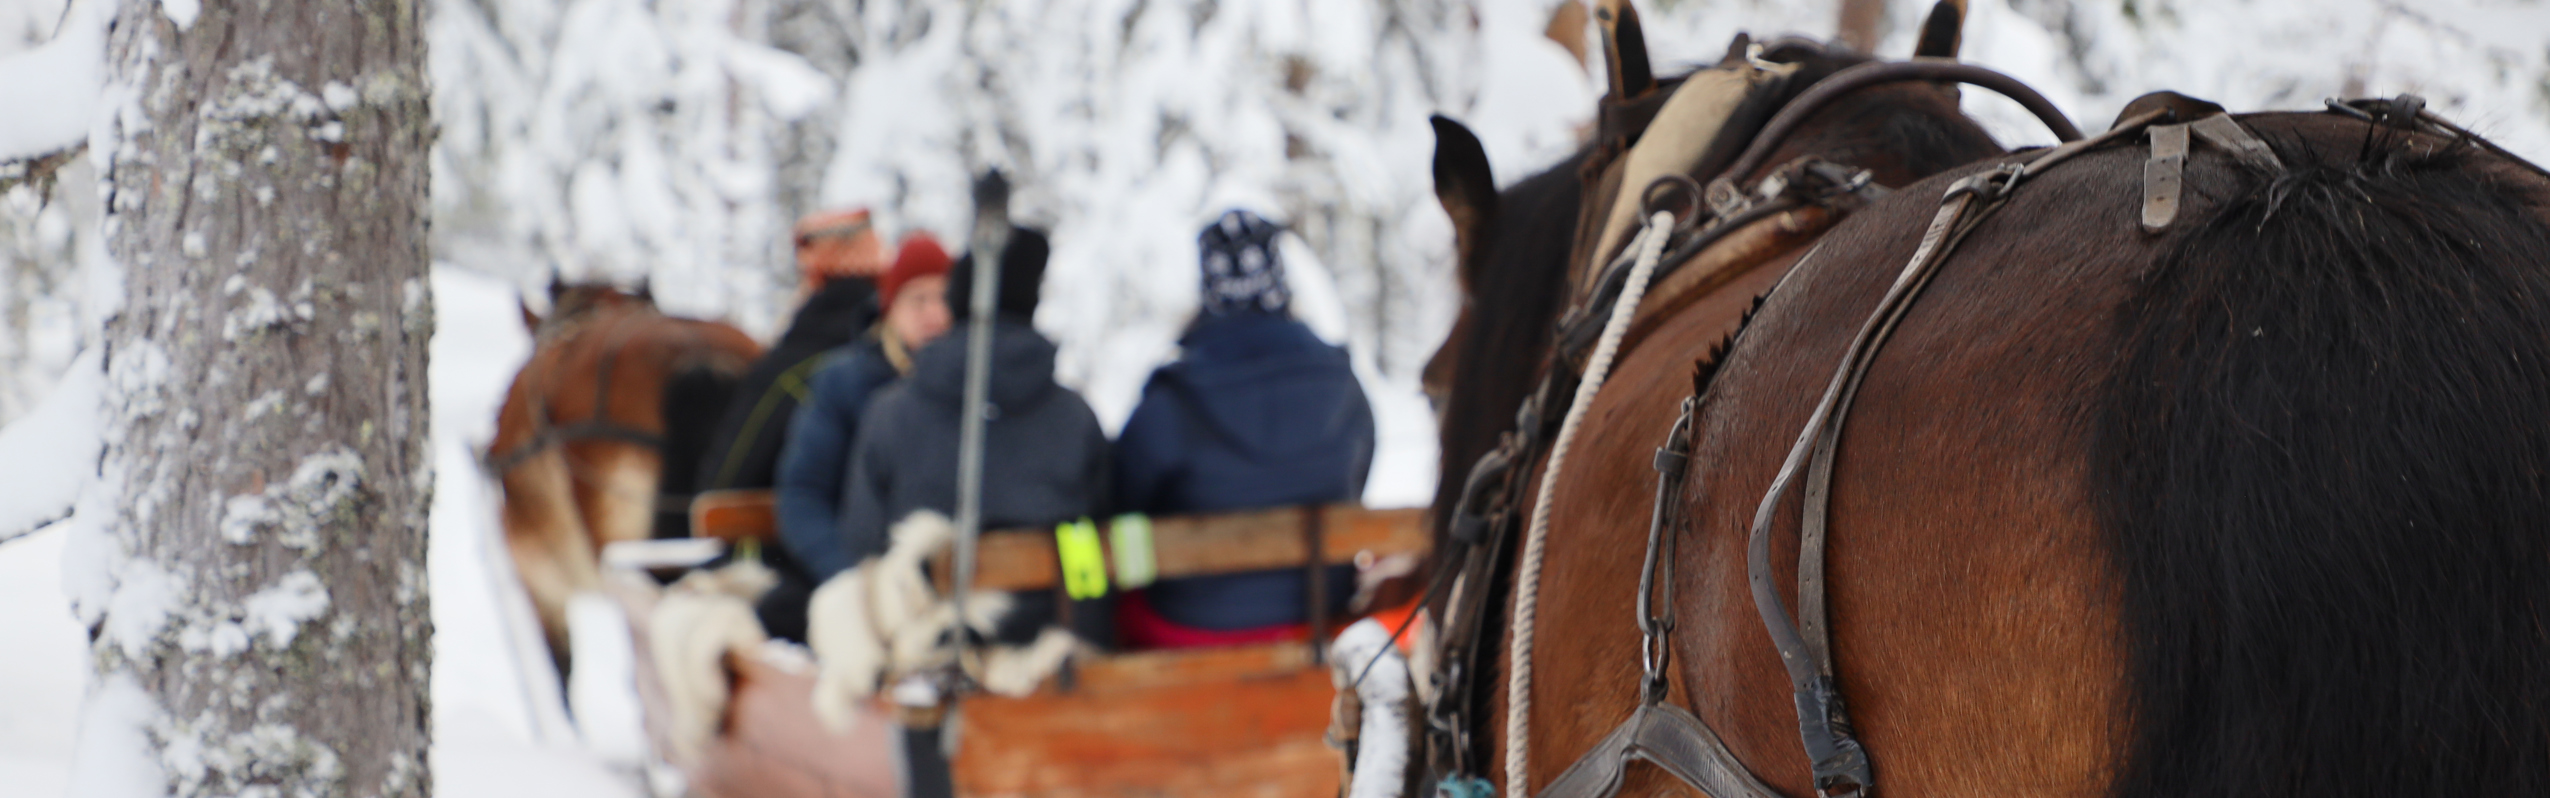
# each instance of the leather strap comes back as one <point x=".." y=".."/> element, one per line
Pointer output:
<point x="2221" y="131"/>
<point x="2162" y="175"/>
<point x="1315" y="573"/>
<point x="1805" y="644"/>
<point x="1670" y="738"/>
<point x="1804" y="106"/>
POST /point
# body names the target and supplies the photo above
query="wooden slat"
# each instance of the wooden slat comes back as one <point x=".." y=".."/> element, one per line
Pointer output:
<point x="1203" y="545"/>
<point x="735" y="515"/>
<point x="1237" y="721"/>
<point x="1141" y="670"/>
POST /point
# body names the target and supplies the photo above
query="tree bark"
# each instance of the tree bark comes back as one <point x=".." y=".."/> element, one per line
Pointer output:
<point x="260" y="511"/>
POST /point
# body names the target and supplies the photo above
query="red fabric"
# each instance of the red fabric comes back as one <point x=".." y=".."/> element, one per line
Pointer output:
<point x="921" y="256"/>
<point x="1140" y="626"/>
<point x="1393" y="618"/>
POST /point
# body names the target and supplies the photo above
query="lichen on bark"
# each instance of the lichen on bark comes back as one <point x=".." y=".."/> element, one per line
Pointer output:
<point x="267" y="461"/>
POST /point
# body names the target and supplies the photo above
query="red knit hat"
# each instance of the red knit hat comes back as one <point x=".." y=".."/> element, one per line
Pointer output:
<point x="921" y="256"/>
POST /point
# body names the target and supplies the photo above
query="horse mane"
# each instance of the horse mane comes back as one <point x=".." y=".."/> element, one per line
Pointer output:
<point x="1518" y="285"/>
<point x="2322" y="469"/>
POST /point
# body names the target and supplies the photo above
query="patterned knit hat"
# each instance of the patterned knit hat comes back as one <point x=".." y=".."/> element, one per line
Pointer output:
<point x="921" y="256"/>
<point x="1241" y="269"/>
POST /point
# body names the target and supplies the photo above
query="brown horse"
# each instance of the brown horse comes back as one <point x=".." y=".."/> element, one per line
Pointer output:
<point x="2241" y="507"/>
<point x="585" y="432"/>
<point x="1522" y="254"/>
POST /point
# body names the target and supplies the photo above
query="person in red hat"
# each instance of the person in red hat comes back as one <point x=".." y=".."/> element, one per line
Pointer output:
<point x="913" y="292"/>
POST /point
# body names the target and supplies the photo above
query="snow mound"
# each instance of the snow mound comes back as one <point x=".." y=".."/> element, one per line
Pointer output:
<point x="46" y="457"/>
<point x="52" y="91"/>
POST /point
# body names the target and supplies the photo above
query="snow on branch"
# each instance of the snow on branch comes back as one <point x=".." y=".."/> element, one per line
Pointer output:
<point x="50" y="93"/>
<point x="47" y="456"/>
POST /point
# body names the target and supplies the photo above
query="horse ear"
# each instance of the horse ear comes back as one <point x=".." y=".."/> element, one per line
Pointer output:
<point x="557" y="286"/>
<point x="1624" y="51"/>
<point x="1465" y="185"/>
<point x="646" y="288"/>
<point x="1943" y="32"/>
<point x="530" y="320"/>
<point x="1738" y="49"/>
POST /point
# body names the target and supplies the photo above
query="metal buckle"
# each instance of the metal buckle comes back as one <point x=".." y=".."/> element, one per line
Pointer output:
<point x="1725" y="199"/>
<point x="1989" y="185"/>
<point x="1655" y="651"/>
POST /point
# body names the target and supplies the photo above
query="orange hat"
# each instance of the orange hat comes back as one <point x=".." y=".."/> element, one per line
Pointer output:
<point x="865" y="255"/>
<point x="921" y="256"/>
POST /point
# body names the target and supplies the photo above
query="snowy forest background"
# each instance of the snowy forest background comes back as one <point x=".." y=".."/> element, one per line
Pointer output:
<point x="676" y="140"/>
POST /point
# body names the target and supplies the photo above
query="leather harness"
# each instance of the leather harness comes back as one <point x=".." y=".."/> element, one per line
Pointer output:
<point x="547" y="433"/>
<point x="1658" y="732"/>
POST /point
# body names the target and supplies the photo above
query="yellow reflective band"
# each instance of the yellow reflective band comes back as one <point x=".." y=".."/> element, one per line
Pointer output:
<point x="1084" y="564"/>
<point x="1130" y="538"/>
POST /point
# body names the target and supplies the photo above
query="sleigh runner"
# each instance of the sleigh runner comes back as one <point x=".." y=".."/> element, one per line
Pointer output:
<point x="1240" y="720"/>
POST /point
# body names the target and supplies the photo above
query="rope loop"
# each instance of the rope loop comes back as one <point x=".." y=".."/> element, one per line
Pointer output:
<point x="1650" y="246"/>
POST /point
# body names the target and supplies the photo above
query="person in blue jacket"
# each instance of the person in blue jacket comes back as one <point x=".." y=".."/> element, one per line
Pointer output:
<point x="1257" y="412"/>
<point x="814" y="462"/>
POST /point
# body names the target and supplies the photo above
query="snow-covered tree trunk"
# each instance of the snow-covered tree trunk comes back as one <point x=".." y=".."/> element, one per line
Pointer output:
<point x="259" y="520"/>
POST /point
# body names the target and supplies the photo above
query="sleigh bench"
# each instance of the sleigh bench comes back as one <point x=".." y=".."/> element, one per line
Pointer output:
<point x="1236" y="720"/>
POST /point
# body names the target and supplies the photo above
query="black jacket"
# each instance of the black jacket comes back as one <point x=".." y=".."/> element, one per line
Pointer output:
<point x="1045" y="456"/>
<point x="743" y="450"/>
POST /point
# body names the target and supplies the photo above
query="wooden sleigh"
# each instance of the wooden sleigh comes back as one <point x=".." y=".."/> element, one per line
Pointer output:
<point x="1238" y="720"/>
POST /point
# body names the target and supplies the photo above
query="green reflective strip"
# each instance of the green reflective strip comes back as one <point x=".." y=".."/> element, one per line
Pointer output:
<point x="791" y="382"/>
<point x="1130" y="539"/>
<point x="1084" y="564"/>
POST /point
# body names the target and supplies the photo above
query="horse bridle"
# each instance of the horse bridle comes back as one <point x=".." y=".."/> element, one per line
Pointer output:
<point x="1657" y="731"/>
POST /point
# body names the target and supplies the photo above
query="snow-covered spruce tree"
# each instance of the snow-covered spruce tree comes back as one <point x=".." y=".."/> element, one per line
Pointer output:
<point x="262" y="499"/>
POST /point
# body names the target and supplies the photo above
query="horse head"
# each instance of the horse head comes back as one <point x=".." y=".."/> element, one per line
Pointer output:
<point x="1525" y="251"/>
<point x="575" y="300"/>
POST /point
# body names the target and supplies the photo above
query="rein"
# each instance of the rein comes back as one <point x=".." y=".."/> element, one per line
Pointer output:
<point x="1732" y="208"/>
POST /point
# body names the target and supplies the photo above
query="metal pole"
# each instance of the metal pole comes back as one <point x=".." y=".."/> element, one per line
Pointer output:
<point x="990" y="236"/>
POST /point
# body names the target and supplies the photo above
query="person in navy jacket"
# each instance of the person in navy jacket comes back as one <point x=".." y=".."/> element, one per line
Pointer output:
<point x="1257" y="412"/>
<point x="814" y="463"/>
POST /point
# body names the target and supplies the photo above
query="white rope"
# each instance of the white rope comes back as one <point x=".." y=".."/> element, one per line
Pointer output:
<point x="1650" y="245"/>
